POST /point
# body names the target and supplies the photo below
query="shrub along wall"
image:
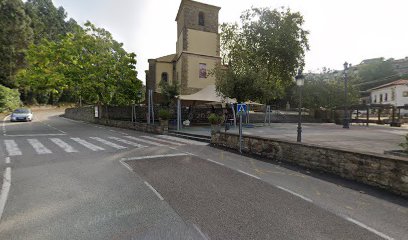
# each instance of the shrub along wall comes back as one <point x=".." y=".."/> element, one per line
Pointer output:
<point x="390" y="173"/>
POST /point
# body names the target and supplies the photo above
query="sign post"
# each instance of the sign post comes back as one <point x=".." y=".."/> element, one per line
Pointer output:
<point x="241" y="110"/>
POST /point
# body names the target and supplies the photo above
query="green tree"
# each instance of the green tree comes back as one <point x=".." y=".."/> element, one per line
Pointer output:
<point x="47" y="21"/>
<point x="263" y="54"/>
<point x="327" y="90"/>
<point x="88" y="63"/>
<point x="15" y="37"/>
<point x="9" y="99"/>
<point x="169" y="91"/>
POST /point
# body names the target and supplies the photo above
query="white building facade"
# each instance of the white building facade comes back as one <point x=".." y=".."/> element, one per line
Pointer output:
<point x="394" y="93"/>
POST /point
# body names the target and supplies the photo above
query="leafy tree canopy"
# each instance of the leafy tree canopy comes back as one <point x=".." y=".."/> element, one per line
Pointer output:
<point x="89" y="63"/>
<point x="15" y="37"/>
<point x="9" y="99"/>
<point x="327" y="90"/>
<point x="263" y="54"/>
<point x="47" y="21"/>
<point x="169" y="91"/>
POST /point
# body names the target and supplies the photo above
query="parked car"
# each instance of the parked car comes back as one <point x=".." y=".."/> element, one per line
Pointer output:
<point x="21" y="114"/>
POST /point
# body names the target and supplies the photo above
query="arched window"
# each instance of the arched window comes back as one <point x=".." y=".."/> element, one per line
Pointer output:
<point x="164" y="77"/>
<point x="201" y="18"/>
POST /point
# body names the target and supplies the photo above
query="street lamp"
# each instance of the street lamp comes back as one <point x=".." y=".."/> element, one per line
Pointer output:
<point x="346" y="123"/>
<point x="300" y="82"/>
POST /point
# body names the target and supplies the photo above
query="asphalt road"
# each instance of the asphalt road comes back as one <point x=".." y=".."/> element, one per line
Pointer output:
<point x="64" y="179"/>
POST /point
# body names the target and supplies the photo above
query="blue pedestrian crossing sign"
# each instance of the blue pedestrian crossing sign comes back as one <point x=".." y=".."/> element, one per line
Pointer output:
<point x="241" y="108"/>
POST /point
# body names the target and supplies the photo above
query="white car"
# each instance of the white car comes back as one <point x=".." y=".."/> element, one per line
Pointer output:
<point x="21" y="114"/>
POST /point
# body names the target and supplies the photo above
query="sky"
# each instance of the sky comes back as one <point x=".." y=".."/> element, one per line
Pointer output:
<point x="340" y="30"/>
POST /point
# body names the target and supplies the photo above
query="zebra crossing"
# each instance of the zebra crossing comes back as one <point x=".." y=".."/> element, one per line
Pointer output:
<point x="45" y="146"/>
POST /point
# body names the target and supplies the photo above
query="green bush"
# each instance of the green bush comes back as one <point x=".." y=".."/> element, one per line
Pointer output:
<point x="9" y="99"/>
<point x="164" y="114"/>
<point x="215" y="119"/>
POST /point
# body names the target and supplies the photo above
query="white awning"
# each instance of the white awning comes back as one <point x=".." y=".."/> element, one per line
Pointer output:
<point x="207" y="94"/>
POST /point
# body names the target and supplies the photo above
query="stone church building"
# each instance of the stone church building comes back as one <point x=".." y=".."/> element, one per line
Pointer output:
<point x="197" y="51"/>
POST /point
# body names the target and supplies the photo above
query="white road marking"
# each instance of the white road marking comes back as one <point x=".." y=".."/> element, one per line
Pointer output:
<point x="200" y="232"/>
<point x="146" y="141"/>
<point x="38" y="146"/>
<point x="5" y="189"/>
<point x="369" y="228"/>
<point x="4" y="124"/>
<point x="248" y="174"/>
<point x="296" y="194"/>
<point x="162" y="140"/>
<point x="222" y="164"/>
<point x="126" y="165"/>
<point x="12" y="148"/>
<point x="127" y="142"/>
<point x="88" y="144"/>
<point x="187" y="141"/>
<point x="155" y="156"/>
<point x="54" y="128"/>
<point x="65" y="146"/>
<point x="7" y="160"/>
<point x="154" y="190"/>
<point x="111" y="144"/>
<point x="48" y="125"/>
<point x="35" y="135"/>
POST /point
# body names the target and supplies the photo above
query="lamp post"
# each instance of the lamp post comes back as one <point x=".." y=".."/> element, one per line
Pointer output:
<point x="300" y="82"/>
<point x="346" y="123"/>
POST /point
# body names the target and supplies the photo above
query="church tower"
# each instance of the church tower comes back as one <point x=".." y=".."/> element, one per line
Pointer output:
<point x="198" y="46"/>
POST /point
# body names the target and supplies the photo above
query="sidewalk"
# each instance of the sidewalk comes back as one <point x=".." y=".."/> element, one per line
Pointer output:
<point x="372" y="139"/>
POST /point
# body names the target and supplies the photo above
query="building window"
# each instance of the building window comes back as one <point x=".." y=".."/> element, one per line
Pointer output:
<point x="381" y="98"/>
<point x="165" y="77"/>
<point x="203" y="71"/>
<point x="405" y="94"/>
<point x="201" y="18"/>
<point x="386" y="97"/>
<point x="375" y="99"/>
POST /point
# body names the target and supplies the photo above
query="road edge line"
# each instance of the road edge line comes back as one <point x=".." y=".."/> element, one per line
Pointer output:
<point x="4" y="125"/>
<point x="154" y="190"/>
<point x="155" y="156"/>
<point x="296" y="194"/>
<point x="126" y="165"/>
<point x="221" y="164"/>
<point x="248" y="174"/>
<point x="200" y="232"/>
<point x="360" y="224"/>
<point x="5" y="190"/>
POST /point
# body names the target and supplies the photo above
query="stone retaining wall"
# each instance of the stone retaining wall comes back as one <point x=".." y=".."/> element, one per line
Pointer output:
<point x="386" y="172"/>
<point x="88" y="114"/>
<point x="83" y="113"/>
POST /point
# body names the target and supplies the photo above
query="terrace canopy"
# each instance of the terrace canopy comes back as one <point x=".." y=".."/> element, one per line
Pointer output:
<point x="207" y="94"/>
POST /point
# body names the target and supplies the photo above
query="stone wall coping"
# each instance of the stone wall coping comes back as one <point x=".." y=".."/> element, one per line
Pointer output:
<point x="338" y="149"/>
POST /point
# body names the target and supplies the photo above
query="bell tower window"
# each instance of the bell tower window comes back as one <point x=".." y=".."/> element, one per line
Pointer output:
<point x="201" y="18"/>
